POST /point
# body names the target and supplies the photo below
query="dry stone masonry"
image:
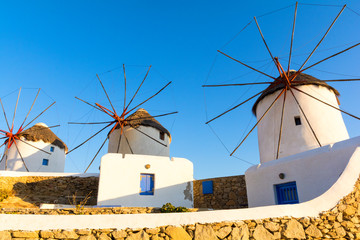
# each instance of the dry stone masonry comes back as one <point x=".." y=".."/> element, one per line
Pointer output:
<point x="228" y="193"/>
<point x="341" y="222"/>
<point x="60" y="190"/>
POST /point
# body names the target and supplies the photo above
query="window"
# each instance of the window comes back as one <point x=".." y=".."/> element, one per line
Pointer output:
<point x="297" y="120"/>
<point x="207" y="187"/>
<point x="162" y="135"/>
<point x="45" y="162"/>
<point x="286" y="193"/>
<point x="147" y="184"/>
<point x="52" y="149"/>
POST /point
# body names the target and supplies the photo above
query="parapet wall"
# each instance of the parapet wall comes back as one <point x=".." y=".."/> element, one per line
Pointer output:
<point x="228" y="193"/>
<point x="52" y="189"/>
<point x="340" y="222"/>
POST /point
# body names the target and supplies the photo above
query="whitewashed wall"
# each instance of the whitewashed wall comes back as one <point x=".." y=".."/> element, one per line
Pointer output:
<point x="343" y="186"/>
<point x="139" y="143"/>
<point x="119" y="182"/>
<point x="314" y="171"/>
<point x="327" y="123"/>
<point x="34" y="158"/>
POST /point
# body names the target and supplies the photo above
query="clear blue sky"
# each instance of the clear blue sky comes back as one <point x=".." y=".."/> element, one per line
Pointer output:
<point x="59" y="46"/>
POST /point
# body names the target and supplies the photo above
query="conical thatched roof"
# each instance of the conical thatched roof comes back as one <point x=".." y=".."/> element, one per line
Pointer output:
<point x="40" y="131"/>
<point x="143" y="118"/>
<point x="301" y="79"/>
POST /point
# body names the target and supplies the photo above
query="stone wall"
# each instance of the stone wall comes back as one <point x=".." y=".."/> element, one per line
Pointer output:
<point x="341" y="222"/>
<point x="228" y="193"/>
<point x="61" y="190"/>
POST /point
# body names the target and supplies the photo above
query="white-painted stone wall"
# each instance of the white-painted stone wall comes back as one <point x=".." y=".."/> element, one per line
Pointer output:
<point x="138" y="143"/>
<point x="327" y="122"/>
<point x="33" y="157"/>
<point x="314" y="171"/>
<point x="342" y="187"/>
<point x="119" y="182"/>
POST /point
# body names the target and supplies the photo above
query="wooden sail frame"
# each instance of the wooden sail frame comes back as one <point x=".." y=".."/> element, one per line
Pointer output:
<point x="289" y="82"/>
<point x="118" y="120"/>
<point x="10" y="136"/>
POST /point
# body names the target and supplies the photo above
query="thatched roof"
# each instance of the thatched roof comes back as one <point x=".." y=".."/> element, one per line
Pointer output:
<point x="301" y="79"/>
<point x="143" y="118"/>
<point x="41" y="132"/>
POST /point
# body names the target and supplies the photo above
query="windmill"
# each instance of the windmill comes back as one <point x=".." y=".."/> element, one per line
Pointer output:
<point x="13" y="138"/>
<point x="290" y="91"/>
<point x="119" y="121"/>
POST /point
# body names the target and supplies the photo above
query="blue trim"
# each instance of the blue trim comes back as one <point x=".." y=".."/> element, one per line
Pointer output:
<point x="45" y="162"/>
<point x="286" y="193"/>
<point x="207" y="187"/>
<point x="147" y="184"/>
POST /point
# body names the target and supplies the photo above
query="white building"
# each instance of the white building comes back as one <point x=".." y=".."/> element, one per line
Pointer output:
<point x="145" y="181"/>
<point x="39" y="136"/>
<point x="303" y="170"/>
<point x="142" y="134"/>
<point x="138" y="172"/>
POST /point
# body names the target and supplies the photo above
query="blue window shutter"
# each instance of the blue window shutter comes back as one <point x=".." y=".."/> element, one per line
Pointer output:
<point x="286" y="193"/>
<point x="147" y="182"/>
<point x="207" y="187"/>
<point x="45" y="162"/>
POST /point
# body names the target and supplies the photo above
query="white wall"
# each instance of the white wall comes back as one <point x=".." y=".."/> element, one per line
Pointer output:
<point x="33" y="157"/>
<point x="327" y="122"/>
<point x="119" y="182"/>
<point x="139" y="143"/>
<point x="343" y="186"/>
<point x="314" y="171"/>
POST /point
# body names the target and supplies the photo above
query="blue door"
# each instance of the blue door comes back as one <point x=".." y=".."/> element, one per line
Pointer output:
<point x="286" y="193"/>
<point x="147" y="184"/>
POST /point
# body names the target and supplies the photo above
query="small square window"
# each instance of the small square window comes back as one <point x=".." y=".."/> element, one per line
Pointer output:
<point x="45" y="162"/>
<point x="52" y="149"/>
<point x="162" y="135"/>
<point x="297" y="120"/>
<point x="286" y="193"/>
<point x="207" y="187"/>
<point x="147" y="183"/>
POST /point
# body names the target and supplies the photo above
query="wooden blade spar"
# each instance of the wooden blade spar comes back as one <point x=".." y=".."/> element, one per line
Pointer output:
<point x="345" y="50"/>
<point x="263" y="38"/>
<point x="39" y="114"/>
<point x="3" y="109"/>
<point x="235" y="84"/>
<point x="124" y="88"/>
<point x="138" y="88"/>
<point x="281" y="124"/>
<point x="261" y="118"/>
<point x="22" y="159"/>
<point x="32" y="105"/>
<point x="322" y="38"/>
<point x="246" y="65"/>
<point x="351" y="115"/>
<point x="102" y="145"/>
<point x="105" y="93"/>
<point x="149" y="98"/>
<point x="292" y="38"/>
<point x="16" y="105"/>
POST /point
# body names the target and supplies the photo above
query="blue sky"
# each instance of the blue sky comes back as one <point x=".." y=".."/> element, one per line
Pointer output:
<point x="60" y="46"/>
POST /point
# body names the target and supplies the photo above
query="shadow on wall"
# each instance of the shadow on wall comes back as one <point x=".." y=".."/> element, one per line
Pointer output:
<point x="177" y="195"/>
<point x="59" y="190"/>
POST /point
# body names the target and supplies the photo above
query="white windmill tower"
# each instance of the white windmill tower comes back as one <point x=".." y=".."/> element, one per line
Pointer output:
<point x="142" y="134"/>
<point x="37" y="149"/>
<point x="301" y="133"/>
